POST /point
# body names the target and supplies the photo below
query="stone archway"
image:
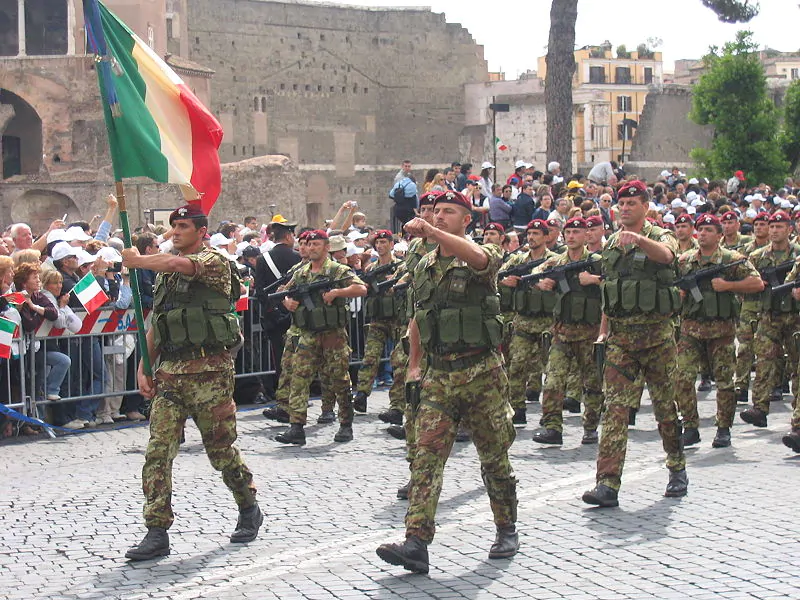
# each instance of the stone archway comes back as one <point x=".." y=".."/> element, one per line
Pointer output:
<point x="38" y="208"/>
<point x="21" y="129"/>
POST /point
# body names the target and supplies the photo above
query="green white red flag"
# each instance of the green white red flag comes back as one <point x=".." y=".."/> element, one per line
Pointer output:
<point x="243" y="303"/>
<point x="7" y="329"/>
<point x="500" y="145"/>
<point x="89" y="293"/>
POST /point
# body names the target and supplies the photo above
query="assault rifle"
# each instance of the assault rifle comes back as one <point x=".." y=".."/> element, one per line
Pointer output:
<point x="371" y="278"/>
<point x="282" y="280"/>
<point x="790" y="285"/>
<point x="774" y="276"/>
<point x="302" y="293"/>
<point x="689" y="282"/>
<point x="560" y="273"/>
<point x="520" y="270"/>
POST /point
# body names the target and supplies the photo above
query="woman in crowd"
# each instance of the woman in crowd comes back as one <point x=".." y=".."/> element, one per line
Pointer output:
<point x="9" y="367"/>
<point x="545" y="207"/>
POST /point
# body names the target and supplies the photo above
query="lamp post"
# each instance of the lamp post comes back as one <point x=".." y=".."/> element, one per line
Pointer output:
<point x="496" y="108"/>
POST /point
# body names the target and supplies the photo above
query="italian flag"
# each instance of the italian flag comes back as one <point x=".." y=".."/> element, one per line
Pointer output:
<point x="157" y="127"/>
<point x="7" y="329"/>
<point x="243" y="303"/>
<point x="500" y="145"/>
<point x="15" y="298"/>
<point x="89" y="293"/>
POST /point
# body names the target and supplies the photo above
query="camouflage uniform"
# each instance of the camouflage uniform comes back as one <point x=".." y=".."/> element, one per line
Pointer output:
<point x="745" y="331"/>
<point x="774" y="336"/>
<point x="741" y="241"/>
<point x="707" y="329"/>
<point x="197" y="382"/>
<point x="639" y="342"/>
<point x="577" y="324"/>
<point x="381" y="328"/>
<point x="465" y="381"/>
<point x="526" y="350"/>
<point x="322" y="348"/>
<point x="292" y="337"/>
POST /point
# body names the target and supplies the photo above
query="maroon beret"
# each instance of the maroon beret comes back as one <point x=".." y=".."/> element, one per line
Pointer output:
<point x="451" y="197"/>
<point x="554" y="222"/>
<point x="632" y="189"/>
<point x="575" y="223"/>
<point x="780" y="217"/>
<point x="762" y="216"/>
<point x="594" y="221"/>
<point x="384" y="234"/>
<point x="729" y="216"/>
<point x="495" y="227"/>
<point x="427" y="198"/>
<point x="187" y="211"/>
<point x="708" y="219"/>
<point x="316" y="234"/>
<point x="684" y="218"/>
<point x="539" y="225"/>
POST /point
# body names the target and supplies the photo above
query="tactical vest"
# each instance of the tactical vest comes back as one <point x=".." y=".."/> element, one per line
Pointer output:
<point x="189" y="315"/>
<point x="583" y="302"/>
<point x="383" y="307"/>
<point x="634" y="284"/>
<point x="506" y="298"/>
<point x="459" y="314"/>
<point x="780" y="303"/>
<point x="322" y="317"/>
<point x="530" y="301"/>
<point x="715" y="305"/>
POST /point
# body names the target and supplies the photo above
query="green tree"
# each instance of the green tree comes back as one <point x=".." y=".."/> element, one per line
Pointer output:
<point x="732" y="97"/>
<point x="790" y="138"/>
<point x="733" y="11"/>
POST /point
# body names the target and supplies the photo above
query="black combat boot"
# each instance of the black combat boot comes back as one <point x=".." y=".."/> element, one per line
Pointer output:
<point x="589" y="437"/>
<point x="360" y="402"/>
<point x="276" y="413"/>
<point x="792" y="440"/>
<point x="393" y="416"/>
<point x="402" y="493"/>
<point x="548" y="436"/>
<point x="327" y="416"/>
<point x="754" y="416"/>
<point x="632" y="416"/>
<point x="398" y="432"/>
<point x="345" y="434"/>
<point x="154" y="544"/>
<point x="572" y="405"/>
<point x="531" y="396"/>
<point x="506" y="543"/>
<point x="412" y="554"/>
<point x="678" y="484"/>
<point x="520" y="417"/>
<point x="602" y="496"/>
<point x="723" y="438"/>
<point x="250" y="519"/>
<point x="705" y="383"/>
<point x="691" y="436"/>
<point x="294" y="435"/>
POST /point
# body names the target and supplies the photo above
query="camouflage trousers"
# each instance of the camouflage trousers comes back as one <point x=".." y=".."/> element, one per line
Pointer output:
<point x="774" y="337"/>
<point x="796" y="415"/>
<point x="477" y="396"/>
<point x="208" y="399"/>
<point x="745" y="355"/>
<point x="527" y="359"/>
<point x="287" y="366"/>
<point x="326" y="353"/>
<point x="631" y="350"/>
<point x="399" y="361"/>
<point x="378" y="333"/>
<point x="571" y="360"/>
<point x="720" y="355"/>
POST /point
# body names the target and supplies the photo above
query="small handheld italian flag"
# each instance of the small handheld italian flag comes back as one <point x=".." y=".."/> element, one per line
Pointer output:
<point x="243" y="303"/>
<point x="500" y="145"/>
<point x="15" y="298"/>
<point x="7" y="329"/>
<point x="89" y="293"/>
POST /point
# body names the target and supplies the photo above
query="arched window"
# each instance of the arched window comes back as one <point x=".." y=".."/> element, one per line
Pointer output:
<point x="45" y="27"/>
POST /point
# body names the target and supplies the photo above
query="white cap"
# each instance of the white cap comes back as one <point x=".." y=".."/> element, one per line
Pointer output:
<point x="486" y="165"/>
<point x="691" y="196"/>
<point x="796" y="208"/>
<point x="693" y="181"/>
<point x="57" y="235"/>
<point x="664" y="174"/>
<point x="84" y="258"/>
<point x="76" y="234"/>
<point x="356" y="235"/>
<point x="698" y="202"/>
<point x="669" y="218"/>
<point x="241" y="246"/>
<point x="756" y="197"/>
<point x="750" y="213"/>
<point x="62" y="250"/>
<point x="219" y="239"/>
<point x="691" y="210"/>
<point x="653" y="206"/>
<point x="401" y="246"/>
<point x="352" y="250"/>
<point x="678" y="203"/>
<point x="109" y="254"/>
<point x="786" y="204"/>
<point x="748" y="198"/>
<point x="165" y="246"/>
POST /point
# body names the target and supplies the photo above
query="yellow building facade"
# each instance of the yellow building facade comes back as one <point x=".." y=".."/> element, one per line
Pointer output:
<point x="624" y="78"/>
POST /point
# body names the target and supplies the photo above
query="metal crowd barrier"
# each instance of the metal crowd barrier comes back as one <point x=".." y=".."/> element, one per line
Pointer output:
<point x="104" y="357"/>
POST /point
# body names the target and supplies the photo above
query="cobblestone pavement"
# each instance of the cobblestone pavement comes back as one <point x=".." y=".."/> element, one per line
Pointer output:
<point x="72" y="506"/>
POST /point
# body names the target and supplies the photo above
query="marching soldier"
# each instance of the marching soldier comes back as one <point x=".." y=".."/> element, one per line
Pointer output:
<point x="533" y="310"/>
<point x="638" y="303"/>
<point x="457" y="321"/>
<point x="749" y="315"/>
<point x="684" y="232"/>
<point x="595" y="229"/>
<point x="779" y="320"/>
<point x="554" y="236"/>
<point x="382" y="327"/>
<point x="193" y="330"/>
<point x="323" y="342"/>
<point x="708" y="322"/>
<point x="792" y="439"/>
<point x="732" y="239"/>
<point x="577" y="316"/>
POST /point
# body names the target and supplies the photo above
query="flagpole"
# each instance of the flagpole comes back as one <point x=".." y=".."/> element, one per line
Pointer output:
<point x="137" y="299"/>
